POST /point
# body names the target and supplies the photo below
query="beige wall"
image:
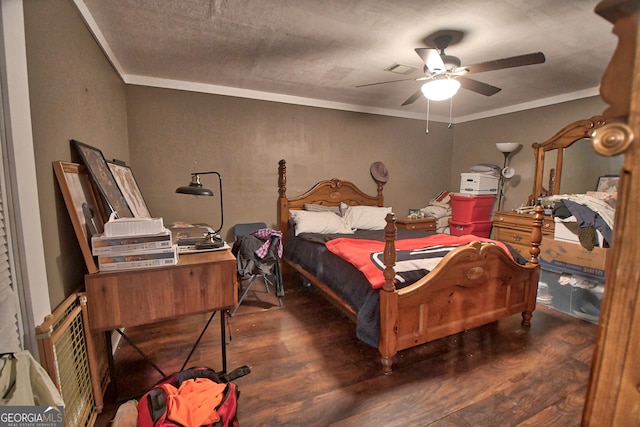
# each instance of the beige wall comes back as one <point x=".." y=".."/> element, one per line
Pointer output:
<point x="475" y="141"/>
<point x="172" y="133"/>
<point x="75" y="94"/>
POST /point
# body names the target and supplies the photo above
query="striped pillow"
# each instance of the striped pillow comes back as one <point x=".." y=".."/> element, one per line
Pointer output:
<point x="310" y="207"/>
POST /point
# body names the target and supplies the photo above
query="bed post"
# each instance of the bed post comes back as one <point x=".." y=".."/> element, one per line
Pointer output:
<point x="533" y="261"/>
<point x="380" y="185"/>
<point x="283" y="208"/>
<point x="536" y="236"/>
<point x="283" y="215"/>
<point x="388" y="298"/>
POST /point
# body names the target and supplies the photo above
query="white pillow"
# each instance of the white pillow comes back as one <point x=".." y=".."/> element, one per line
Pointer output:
<point x="366" y="217"/>
<point x="319" y="222"/>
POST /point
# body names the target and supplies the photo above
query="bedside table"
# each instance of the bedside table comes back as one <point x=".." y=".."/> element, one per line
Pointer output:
<point x="424" y="224"/>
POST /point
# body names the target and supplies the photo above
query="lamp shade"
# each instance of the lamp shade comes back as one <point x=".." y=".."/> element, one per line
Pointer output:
<point x="194" y="190"/>
<point x="440" y="88"/>
<point x="195" y="187"/>
<point x="507" y="147"/>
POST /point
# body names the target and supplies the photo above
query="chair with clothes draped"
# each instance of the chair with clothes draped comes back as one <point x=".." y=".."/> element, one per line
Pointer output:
<point x="258" y="250"/>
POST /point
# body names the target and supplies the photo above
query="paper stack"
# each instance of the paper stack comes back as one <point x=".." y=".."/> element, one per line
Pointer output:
<point x="189" y="238"/>
<point x="133" y="226"/>
<point x="131" y="243"/>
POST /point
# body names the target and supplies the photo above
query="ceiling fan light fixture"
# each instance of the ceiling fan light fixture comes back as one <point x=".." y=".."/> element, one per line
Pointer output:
<point x="440" y="88"/>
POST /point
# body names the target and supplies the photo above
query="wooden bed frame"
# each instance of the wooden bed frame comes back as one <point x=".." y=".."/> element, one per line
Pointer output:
<point x="472" y="286"/>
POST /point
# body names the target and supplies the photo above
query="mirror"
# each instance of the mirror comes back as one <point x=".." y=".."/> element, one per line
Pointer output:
<point x="583" y="166"/>
<point x="566" y="163"/>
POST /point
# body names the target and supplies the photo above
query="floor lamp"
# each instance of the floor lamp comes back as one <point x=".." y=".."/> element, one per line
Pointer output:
<point x="506" y="148"/>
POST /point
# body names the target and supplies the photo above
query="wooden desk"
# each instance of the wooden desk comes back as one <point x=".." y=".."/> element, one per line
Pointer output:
<point x="199" y="283"/>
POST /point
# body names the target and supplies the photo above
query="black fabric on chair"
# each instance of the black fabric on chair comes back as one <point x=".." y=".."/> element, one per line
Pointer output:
<point x="241" y="230"/>
<point x="251" y="267"/>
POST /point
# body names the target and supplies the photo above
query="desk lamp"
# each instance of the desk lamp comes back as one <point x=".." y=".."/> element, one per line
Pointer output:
<point x="195" y="188"/>
<point x="506" y="148"/>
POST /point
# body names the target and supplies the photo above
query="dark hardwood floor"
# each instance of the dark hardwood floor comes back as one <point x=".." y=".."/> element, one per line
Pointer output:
<point x="309" y="369"/>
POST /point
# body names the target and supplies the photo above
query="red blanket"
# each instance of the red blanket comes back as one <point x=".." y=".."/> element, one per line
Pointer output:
<point x="414" y="257"/>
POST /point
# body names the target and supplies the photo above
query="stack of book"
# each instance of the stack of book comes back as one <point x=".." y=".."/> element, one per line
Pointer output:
<point x="132" y="243"/>
<point x="191" y="238"/>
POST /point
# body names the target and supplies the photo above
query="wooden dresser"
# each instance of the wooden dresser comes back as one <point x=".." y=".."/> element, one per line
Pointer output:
<point x="424" y="224"/>
<point x="515" y="229"/>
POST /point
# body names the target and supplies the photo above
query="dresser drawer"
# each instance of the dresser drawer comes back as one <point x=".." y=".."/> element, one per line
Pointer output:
<point x="518" y="240"/>
<point x="521" y="222"/>
<point x="512" y="236"/>
<point x="424" y="224"/>
<point x="515" y="230"/>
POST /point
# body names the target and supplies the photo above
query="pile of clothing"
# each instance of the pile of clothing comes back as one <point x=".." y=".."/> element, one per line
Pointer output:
<point x="587" y="216"/>
<point x="439" y="208"/>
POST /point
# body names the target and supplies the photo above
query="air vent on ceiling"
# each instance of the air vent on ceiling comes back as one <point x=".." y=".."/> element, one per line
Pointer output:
<point x="401" y="69"/>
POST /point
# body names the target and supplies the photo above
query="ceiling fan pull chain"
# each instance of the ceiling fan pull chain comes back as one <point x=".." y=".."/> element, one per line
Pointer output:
<point x="450" y="112"/>
<point x="427" y="129"/>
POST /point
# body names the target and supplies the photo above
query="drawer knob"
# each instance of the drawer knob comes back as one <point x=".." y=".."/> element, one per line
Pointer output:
<point x="517" y="237"/>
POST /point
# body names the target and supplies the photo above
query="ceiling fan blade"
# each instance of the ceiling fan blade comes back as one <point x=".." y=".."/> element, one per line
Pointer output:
<point x="413" y="98"/>
<point x="431" y="59"/>
<point x="389" y="81"/>
<point x="478" y="87"/>
<point x="514" y="61"/>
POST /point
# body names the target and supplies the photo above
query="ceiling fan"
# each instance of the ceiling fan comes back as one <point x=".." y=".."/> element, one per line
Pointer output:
<point x="446" y="70"/>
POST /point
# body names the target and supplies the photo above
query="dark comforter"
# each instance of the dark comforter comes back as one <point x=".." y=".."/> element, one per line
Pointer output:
<point x="309" y="251"/>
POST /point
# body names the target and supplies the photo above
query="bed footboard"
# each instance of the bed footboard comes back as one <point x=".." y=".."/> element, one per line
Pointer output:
<point x="474" y="285"/>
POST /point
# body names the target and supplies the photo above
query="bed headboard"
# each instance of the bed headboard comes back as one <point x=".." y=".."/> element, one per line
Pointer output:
<point x="330" y="192"/>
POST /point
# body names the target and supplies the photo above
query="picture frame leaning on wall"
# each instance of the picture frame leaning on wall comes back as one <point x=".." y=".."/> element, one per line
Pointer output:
<point x="608" y="183"/>
<point x="95" y="162"/>
<point x="84" y="209"/>
<point x="129" y="187"/>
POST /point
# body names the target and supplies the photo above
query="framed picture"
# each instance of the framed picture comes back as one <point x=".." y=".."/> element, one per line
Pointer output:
<point x="129" y="188"/>
<point x="608" y="183"/>
<point x="87" y="215"/>
<point x="102" y="176"/>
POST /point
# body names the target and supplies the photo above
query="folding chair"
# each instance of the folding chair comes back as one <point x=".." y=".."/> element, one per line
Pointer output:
<point x="251" y="267"/>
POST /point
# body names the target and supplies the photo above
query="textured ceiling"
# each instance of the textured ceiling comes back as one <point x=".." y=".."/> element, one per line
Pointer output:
<point x="315" y="52"/>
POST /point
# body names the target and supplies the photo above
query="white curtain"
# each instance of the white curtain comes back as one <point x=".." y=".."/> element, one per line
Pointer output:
<point x="9" y="306"/>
